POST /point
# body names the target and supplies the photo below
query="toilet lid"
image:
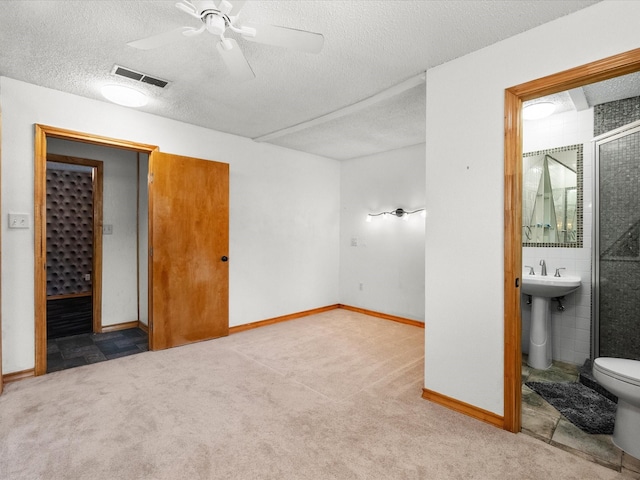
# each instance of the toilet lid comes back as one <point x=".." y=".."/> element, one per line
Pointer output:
<point x="620" y="368"/>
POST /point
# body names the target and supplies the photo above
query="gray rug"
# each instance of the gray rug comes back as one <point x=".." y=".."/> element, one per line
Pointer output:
<point x="582" y="406"/>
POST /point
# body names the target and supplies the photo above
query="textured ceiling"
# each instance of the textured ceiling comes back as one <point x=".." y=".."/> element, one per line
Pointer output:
<point x="370" y="46"/>
<point x="617" y="88"/>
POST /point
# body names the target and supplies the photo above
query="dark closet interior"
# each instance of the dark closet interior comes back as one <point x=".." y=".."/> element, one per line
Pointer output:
<point x="69" y="250"/>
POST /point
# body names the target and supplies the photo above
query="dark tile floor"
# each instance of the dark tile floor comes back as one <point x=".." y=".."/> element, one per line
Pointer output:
<point x="542" y="421"/>
<point x="69" y="352"/>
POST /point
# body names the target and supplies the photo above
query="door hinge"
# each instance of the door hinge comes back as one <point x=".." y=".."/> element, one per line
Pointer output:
<point x="151" y="252"/>
<point x="151" y="178"/>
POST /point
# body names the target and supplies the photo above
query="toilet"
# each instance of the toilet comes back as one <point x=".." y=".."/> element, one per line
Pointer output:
<point x="622" y="378"/>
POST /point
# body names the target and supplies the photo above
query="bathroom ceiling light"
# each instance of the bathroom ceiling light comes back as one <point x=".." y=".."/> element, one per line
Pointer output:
<point x="536" y="111"/>
<point x="122" y="95"/>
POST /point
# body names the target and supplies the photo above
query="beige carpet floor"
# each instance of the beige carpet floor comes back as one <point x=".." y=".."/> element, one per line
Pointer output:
<point x="330" y="396"/>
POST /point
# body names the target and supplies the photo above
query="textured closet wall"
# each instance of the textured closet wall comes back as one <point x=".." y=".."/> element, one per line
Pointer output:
<point x="69" y="231"/>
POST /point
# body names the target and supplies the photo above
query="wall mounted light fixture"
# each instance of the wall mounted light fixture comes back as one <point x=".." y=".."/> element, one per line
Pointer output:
<point x="398" y="212"/>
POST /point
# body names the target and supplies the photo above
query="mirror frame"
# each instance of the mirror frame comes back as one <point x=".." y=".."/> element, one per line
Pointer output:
<point x="579" y="201"/>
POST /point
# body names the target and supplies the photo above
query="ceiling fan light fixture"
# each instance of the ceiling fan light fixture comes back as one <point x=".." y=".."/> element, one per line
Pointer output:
<point x="536" y="111"/>
<point x="215" y="24"/>
<point x="123" y="95"/>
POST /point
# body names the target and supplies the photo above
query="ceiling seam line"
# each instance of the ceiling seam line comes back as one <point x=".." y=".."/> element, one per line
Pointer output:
<point x="349" y="109"/>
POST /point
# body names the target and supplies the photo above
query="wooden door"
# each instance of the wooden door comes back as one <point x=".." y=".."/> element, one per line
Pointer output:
<point x="189" y="241"/>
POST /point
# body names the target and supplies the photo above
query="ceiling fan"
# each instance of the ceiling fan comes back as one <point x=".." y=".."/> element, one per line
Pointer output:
<point x="218" y="18"/>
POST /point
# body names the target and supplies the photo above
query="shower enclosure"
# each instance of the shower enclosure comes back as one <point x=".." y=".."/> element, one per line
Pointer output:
<point x="616" y="253"/>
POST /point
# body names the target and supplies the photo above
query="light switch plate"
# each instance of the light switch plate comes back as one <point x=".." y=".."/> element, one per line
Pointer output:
<point x="107" y="229"/>
<point x="18" y="220"/>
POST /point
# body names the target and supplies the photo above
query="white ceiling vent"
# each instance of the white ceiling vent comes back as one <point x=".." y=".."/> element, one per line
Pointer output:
<point x="140" y="77"/>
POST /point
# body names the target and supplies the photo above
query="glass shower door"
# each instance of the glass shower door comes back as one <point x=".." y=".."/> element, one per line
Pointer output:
<point x="617" y="244"/>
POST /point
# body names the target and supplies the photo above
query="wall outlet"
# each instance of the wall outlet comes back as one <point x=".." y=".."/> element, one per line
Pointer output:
<point x="18" y="220"/>
<point x="107" y="229"/>
<point x="87" y="277"/>
<point x="354" y="241"/>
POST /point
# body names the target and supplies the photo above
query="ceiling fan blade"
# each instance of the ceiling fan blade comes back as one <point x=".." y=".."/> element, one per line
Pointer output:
<point x="236" y="6"/>
<point x="159" y="40"/>
<point x="286" y="37"/>
<point x="235" y="60"/>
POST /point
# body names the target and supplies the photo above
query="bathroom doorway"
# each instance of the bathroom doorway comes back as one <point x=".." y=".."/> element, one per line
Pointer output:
<point x="563" y="404"/>
<point x="605" y="69"/>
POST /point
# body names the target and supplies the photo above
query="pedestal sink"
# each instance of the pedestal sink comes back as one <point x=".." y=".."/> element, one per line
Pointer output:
<point x="542" y="289"/>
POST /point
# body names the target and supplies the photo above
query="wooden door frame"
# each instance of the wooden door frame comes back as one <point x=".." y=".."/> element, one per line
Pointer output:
<point x="96" y="255"/>
<point x="1" y="374"/>
<point x="615" y="66"/>
<point x="42" y="132"/>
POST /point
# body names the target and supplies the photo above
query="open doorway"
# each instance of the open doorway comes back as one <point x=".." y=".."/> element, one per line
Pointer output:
<point x="607" y="68"/>
<point x="84" y="185"/>
<point x="187" y="230"/>
<point x="112" y="286"/>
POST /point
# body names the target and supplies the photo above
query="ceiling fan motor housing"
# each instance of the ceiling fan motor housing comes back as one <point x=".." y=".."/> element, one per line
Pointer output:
<point x="204" y="5"/>
<point x="215" y="23"/>
<point x="217" y="19"/>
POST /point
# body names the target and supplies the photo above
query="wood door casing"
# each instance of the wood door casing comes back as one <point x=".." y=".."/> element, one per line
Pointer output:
<point x="42" y="132"/>
<point x="189" y="232"/>
<point x="1" y="374"/>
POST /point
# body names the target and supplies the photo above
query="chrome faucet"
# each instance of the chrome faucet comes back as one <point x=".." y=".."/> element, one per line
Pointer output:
<point x="544" y="268"/>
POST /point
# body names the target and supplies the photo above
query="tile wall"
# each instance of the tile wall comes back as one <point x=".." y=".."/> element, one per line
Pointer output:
<point x="619" y="231"/>
<point x="571" y="328"/>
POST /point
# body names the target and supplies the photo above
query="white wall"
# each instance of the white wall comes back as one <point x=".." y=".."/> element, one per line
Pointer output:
<point x="388" y="256"/>
<point x="571" y="329"/>
<point x="284" y="209"/>
<point x="119" y="261"/>
<point x="464" y="337"/>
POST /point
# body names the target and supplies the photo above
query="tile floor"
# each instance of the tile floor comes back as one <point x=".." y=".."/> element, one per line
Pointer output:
<point x="77" y="350"/>
<point x="542" y="421"/>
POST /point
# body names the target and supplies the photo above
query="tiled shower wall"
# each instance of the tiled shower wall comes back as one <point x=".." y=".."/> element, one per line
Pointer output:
<point x="611" y="115"/>
<point x="619" y="232"/>
<point x="571" y="329"/>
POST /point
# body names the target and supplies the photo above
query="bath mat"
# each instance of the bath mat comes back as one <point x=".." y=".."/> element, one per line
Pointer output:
<point x="582" y="406"/>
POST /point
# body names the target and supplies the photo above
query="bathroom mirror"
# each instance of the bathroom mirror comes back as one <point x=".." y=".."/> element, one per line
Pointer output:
<point x="552" y="197"/>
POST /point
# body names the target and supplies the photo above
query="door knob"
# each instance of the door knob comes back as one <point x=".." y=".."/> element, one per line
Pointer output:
<point x="224" y="258"/>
